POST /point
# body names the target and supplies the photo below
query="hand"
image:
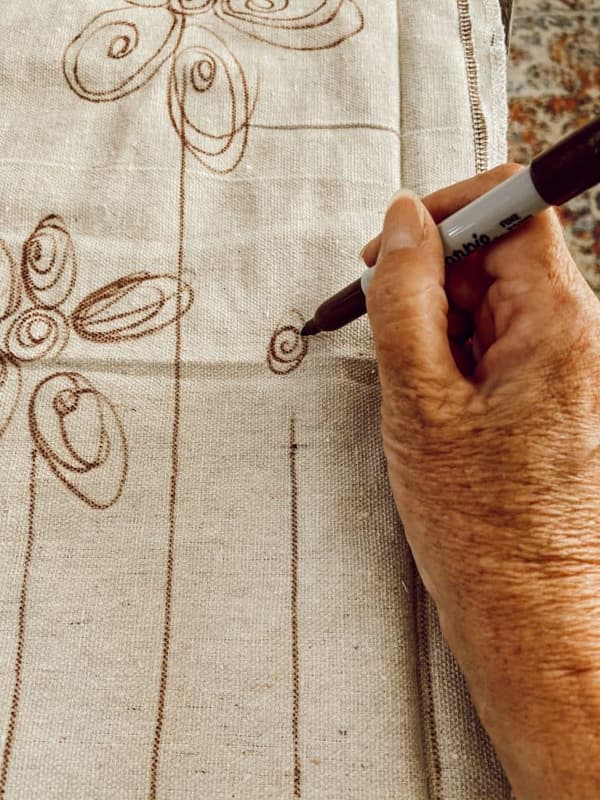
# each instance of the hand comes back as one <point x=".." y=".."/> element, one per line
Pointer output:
<point x="490" y="377"/>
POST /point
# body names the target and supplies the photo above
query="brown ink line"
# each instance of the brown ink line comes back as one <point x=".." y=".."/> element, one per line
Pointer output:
<point x="166" y="640"/>
<point x="425" y="692"/>
<point x="294" y="613"/>
<point x="480" y="131"/>
<point x="332" y="126"/>
<point x="16" y="694"/>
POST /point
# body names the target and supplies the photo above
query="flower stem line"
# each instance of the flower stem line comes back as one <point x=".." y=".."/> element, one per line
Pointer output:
<point x="166" y="638"/>
<point x="16" y="693"/>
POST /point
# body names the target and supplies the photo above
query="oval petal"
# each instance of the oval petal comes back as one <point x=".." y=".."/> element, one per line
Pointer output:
<point x="10" y="389"/>
<point x="77" y="430"/>
<point x="149" y="3"/>
<point x="120" y="51"/>
<point x="49" y="267"/>
<point x="10" y="287"/>
<point x="298" y="25"/>
<point x="37" y="333"/>
<point x="132" y="307"/>
<point x="209" y="102"/>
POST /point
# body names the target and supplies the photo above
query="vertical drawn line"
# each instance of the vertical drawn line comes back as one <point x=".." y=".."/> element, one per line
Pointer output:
<point x="425" y="692"/>
<point x="166" y="640"/>
<point x="16" y="694"/>
<point x="294" y="612"/>
<point x="400" y="100"/>
<point x="477" y="115"/>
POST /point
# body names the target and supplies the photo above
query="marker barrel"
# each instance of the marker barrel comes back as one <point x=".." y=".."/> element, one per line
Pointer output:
<point x="486" y="219"/>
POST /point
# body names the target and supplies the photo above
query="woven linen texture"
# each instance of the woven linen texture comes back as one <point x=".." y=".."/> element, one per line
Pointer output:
<point x="205" y="591"/>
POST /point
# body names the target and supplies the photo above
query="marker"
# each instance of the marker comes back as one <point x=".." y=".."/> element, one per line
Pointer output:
<point x="554" y="177"/>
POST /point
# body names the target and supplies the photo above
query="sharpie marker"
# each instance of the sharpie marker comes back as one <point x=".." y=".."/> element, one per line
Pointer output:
<point x="554" y="177"/>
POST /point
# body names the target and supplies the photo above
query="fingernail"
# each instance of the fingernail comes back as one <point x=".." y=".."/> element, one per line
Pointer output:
<point x="404" y="223"/>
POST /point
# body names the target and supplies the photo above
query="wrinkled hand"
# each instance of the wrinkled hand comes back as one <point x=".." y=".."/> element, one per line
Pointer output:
<point x="490" y="377"/>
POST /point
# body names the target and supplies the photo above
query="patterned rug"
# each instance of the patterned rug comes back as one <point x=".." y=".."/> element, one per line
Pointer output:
<point x="554" y="87"/>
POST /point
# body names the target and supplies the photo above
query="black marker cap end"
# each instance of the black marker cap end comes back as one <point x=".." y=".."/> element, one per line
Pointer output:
<point x="570" y="167"/>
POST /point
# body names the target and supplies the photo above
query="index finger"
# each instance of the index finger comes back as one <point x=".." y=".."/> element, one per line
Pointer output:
<point x="445" y="202"/>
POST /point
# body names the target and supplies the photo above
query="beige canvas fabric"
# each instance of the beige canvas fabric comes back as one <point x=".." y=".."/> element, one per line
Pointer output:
<point x="205" y="591"/>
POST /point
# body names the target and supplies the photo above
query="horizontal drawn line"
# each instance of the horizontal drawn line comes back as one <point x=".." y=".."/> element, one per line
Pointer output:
<point x="332" y="126"/>
<point x="165" y="170"/>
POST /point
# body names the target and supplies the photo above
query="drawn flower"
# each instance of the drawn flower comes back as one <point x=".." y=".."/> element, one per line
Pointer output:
<point x="121" y="50"/>
<point x="74" y="426"/>
<point x="287" y="348"/>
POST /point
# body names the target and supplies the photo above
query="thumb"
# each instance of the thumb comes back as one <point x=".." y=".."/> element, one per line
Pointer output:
<point x="407" y="303"/>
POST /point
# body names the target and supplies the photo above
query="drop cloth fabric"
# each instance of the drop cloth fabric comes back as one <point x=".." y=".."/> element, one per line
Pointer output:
<point x="205" y="591"/>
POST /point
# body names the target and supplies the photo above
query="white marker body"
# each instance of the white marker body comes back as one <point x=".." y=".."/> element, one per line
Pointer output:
<point x="486" y="219"/>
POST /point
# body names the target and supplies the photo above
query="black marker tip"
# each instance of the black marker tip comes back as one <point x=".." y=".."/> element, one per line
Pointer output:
<point x="310" y="329"/>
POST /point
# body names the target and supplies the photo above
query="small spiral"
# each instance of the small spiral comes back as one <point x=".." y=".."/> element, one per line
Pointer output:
<point x="265" y="8"/>
<point x="266" y="5"/>
<point x="37" y="333"/>
<point x="287" y="349"/>
<point x="49" y="266"/>
<point x="124" y="44"/>
<point x="203" y="73"/>
<point x="191" y="6"/>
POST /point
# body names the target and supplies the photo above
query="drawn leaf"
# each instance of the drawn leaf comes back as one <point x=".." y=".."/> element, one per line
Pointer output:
<point x="49" y="267"/>
<point x="10" y="288"/>
<point x="77" y="430"/>
<point x="37" y="333"/>
<point x="10" y="389"/>
<point x="120" y="51"/>
<point x="209" y="102"/>
<point x="294" y="24"/>
<point x="131" y="307"/>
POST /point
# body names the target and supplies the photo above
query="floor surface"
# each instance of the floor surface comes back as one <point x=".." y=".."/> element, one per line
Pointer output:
<point x="554" y="87"/>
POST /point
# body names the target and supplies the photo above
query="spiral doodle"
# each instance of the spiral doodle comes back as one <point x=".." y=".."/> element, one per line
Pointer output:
<point x="77" y="430"/>
<point x="303" y="25"/>
<point x="129" y="58"/>
<point x="10" y="289"/>
<point x="49" y="266"/>
<point x="131" y="307"/>
<point x="266" y="6"/>
<point x="191" y="6"/>
<point x="37" y="333"/>
<point x="208" y="98"/>
<point x="209" y="103"/>
<point x="10" y="389"/>
<point x="287" y="348"/>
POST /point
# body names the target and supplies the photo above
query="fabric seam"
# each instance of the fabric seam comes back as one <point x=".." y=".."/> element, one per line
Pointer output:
<point x="480" y="131"/>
